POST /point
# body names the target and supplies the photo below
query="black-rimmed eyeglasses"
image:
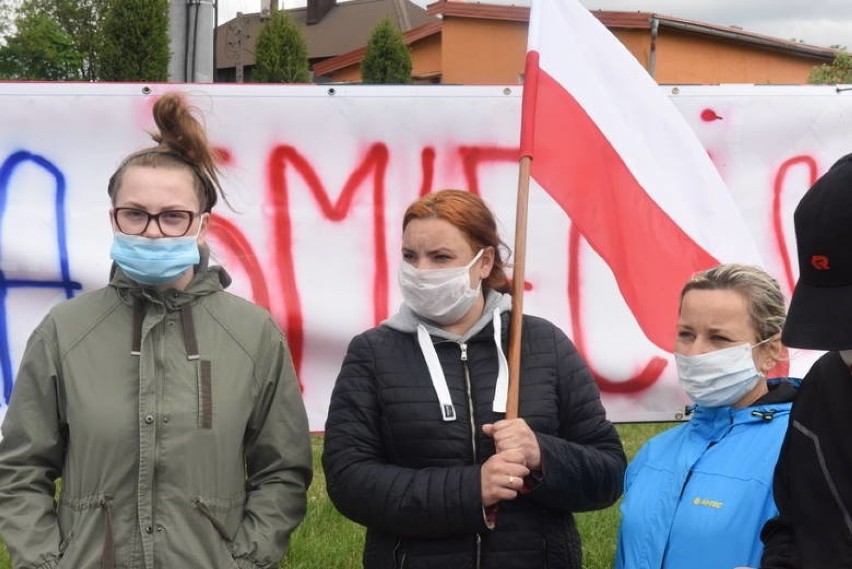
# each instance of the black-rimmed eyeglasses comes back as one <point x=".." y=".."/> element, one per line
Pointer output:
<point x="172" y="223"/>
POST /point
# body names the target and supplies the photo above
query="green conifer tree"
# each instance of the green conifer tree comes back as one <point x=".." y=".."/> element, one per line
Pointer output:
<point x="281" y="54"/>
<point x="387" y="59"/>
<point x="135" y="41"/>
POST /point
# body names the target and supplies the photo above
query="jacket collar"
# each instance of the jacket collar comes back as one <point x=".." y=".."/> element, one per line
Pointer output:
<point x="406" y="320"/>
<point x="713" y="418"/>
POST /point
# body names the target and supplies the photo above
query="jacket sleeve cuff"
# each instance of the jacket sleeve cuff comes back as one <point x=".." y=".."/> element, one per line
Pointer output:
<point x="49" y="564"/>
<point x="489" y="514"/>
<point x="532" y="481"/>
<point x="245" y="563"/>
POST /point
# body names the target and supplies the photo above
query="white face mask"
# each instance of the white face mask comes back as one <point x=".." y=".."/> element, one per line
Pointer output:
<point x="441" y="295"/>
<point x="718" y="378"/>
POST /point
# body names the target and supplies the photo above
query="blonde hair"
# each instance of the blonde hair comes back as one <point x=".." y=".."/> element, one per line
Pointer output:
<point x="766" y="307"/>
<point x="181" y="142"/>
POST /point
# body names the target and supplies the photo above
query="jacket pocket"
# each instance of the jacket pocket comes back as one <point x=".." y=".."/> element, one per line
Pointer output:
<point x="519" y="548"/>
<point x="223" y="516"/>
<point x="459" y="552"/>
<point x="81" y="526"/>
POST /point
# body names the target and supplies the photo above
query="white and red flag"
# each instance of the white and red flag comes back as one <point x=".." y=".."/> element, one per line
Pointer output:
<point x="612" y="150"/>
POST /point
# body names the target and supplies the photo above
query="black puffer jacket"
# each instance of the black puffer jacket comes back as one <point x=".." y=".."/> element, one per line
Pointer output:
<point x="393" y="465"/>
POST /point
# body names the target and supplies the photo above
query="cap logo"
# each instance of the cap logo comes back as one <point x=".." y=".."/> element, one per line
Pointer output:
<point x="820" y="262"/>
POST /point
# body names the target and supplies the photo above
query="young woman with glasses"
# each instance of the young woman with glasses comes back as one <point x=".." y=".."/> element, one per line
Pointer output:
<point x="169" y="408"/>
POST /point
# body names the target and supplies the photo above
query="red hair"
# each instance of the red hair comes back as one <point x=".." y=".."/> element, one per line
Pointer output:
<point x="469" y="214"/>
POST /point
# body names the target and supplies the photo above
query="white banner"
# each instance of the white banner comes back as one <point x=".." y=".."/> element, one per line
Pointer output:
<point x="319" y="177"/>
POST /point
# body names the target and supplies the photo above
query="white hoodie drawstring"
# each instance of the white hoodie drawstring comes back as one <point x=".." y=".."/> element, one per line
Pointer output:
<point x="439" y="381"/>
<point x="501" y="388"/>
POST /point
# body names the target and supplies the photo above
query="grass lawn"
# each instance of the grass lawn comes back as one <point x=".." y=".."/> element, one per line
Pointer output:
<point x="326" y="540"/>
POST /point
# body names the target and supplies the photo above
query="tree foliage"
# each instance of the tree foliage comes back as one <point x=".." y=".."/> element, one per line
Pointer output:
<point x="839" y="71"/>
<point x="281" y="53"/>
<point x="90" y="40"/>
<point x="39" y="50"/>
<point x="135" y="40"/>
<point x="56" y="40"/>
<point x="387" y="59"/>
<point x="81" y="20"/>
<point x="8" y="9"/>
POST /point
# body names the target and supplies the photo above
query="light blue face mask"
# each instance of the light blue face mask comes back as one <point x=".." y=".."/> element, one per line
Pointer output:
<point x="154" y="261"/>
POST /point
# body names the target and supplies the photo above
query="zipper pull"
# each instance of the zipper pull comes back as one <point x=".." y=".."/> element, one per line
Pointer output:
<point x="463" y="352"/>
<point x="765" y="415"/>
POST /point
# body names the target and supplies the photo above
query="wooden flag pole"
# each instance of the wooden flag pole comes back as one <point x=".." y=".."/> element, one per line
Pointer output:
<point x="512" y="398"/>
<point x="528" y="107"/>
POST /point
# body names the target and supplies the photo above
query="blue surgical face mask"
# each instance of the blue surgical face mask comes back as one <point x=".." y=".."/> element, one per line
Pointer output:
<point x="154" y="261"/>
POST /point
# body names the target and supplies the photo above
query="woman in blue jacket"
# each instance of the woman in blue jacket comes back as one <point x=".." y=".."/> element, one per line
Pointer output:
<point x="697" y="495"/>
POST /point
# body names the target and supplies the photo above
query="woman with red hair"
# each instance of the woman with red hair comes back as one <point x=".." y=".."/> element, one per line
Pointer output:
<point x="417" y="446"/>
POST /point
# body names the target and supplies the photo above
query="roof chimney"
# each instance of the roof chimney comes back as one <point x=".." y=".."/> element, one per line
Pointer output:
<point x="317" y="9"/>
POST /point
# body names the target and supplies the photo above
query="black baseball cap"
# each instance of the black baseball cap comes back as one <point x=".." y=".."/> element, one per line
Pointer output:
<point x="820" y="315"/>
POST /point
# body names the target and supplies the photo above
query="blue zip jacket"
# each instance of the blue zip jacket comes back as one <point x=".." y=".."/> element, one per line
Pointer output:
<point x="698" y="494"/>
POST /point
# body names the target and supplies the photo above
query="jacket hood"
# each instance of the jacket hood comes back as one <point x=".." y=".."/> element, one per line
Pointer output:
<point x="406" y="320"/>
<point x="207" y="280"/>
<point x="781" y="390"/>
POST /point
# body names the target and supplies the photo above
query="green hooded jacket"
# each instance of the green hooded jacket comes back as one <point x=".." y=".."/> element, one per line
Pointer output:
<point x="176" y="423"/>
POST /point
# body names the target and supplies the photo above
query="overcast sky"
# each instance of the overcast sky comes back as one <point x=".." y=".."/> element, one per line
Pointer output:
<point x="817" y="22"/>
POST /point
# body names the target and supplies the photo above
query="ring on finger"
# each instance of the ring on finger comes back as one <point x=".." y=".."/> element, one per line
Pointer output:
<point x="511" y="482"/>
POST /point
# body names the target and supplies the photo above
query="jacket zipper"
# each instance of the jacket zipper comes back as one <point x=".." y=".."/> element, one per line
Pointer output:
<point x="683" y="490"/>
<point x="469" y="390"/>
<point x="469" y="401"/>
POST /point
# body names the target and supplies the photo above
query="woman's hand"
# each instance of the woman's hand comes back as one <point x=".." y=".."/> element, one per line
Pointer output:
<point x="515" y="434"/>
<point x="502" y="476"/>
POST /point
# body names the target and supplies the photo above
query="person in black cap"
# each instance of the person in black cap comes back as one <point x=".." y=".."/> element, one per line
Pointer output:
<point x="813" y="477"/>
